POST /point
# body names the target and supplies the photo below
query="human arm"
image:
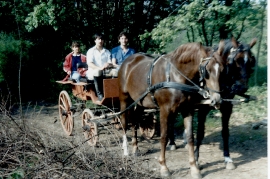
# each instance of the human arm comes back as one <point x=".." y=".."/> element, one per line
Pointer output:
<point x="114" y="54"/>
<point x="114" y="62"/>
<point x="67" y="64"/>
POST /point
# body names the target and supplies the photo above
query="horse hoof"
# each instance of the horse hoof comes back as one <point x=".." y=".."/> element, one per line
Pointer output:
<point x="135" y="155"/>
<point x="173" y="147"/>
<point x="198" y="166"/>
<point x="230" y="166"/>
<point x="165" y="173"/>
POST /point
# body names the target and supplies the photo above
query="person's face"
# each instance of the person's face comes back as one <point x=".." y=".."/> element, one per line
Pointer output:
<point x="99" y="42"/>
<point x="123" y="40"/>
<point x="76" y="49"/>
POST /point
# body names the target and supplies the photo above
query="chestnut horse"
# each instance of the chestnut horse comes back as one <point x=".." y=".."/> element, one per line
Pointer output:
<point x="168" y="83"/>
<point x="234" y="81"/>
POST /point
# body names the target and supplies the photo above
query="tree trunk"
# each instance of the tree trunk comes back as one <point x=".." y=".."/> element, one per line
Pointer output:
<point x="259" y="43"/>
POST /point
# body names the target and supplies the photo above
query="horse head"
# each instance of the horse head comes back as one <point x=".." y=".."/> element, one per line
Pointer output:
<point x="210" y="71"/>
<point x="239" y="63"/>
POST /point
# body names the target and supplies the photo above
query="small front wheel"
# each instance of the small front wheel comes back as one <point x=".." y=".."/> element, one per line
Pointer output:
<point x="90" y="128"/>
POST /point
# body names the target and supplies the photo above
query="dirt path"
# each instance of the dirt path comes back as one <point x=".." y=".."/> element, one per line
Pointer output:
<point x="248" y="148"/>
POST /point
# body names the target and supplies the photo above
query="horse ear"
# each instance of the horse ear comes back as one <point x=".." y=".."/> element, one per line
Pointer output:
<point x="253" y="42"/>
<point x="202" y="50"/>
<point x="221" y="47"/>
<point x="234" y="42"/>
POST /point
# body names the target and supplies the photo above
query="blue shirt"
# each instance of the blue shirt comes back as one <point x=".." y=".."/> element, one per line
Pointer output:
<point x="120" y="55"/>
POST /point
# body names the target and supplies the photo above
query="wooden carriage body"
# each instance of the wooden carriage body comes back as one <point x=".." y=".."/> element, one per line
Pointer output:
<point x="86" y="91"/>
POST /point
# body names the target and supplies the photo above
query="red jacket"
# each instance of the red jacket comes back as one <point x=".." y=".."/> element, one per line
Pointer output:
<point x="67" y="65"/>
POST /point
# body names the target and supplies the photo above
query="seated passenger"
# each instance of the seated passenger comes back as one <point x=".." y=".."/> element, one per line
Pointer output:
<point x="99" y="64"/>
<point x="71" y="61"/>
<point x="121" y="52"/>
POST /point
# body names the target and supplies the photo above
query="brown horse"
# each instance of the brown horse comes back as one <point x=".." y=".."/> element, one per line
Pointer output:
<point x="168" y="83"/>
<point x="233" y="81"/>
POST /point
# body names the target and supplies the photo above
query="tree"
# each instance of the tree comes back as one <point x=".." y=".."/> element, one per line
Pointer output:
<point x="204" y="21"/>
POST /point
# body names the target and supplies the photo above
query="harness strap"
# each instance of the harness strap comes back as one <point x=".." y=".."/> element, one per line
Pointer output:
<point x="149" y="81"/>
<point x="162" y="85"/>
<point x="168" y="68"/>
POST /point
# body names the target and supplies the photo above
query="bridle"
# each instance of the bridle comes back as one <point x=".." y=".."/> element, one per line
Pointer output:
<point x="204" y="73"/>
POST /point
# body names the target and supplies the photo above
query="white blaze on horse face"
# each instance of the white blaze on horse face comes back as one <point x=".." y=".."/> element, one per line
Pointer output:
<point x="246" y="57"/>
<point x="216" y="68"/>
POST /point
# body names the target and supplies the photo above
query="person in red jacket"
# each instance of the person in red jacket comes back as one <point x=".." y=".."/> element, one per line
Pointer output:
<point x="71" y="61"/>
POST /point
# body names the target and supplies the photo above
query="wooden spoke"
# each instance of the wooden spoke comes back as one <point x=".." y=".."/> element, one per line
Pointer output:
<point x="90" y="128"/>
<point x="64" y="108"/>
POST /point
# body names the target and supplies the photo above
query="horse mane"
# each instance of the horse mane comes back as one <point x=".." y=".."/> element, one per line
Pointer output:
<point x="188" y="52"/>
<point x="229" y="45"/>
<point x="147" y="54"/>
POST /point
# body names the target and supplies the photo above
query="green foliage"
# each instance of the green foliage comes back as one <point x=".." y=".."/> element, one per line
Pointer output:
<point x="199" y="21"/>
<point x="43" y="14"/>
<point x="17" y="174"/>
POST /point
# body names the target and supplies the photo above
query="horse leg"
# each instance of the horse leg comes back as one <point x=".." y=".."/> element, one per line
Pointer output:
<point x="226" y="110"/>
<point x="134" y="116"/>
<point x="195" y="172"/>
<point x="171" y="137"/>
<point x="124" y="101"/>
<point x="164" y="117"/>
<point x="202" y="113"/>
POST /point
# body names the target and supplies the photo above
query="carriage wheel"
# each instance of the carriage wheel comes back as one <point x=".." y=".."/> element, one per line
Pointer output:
<point x="90" y="128"/>
<point x="147" y="126"/>
<point x="65" y="114"/>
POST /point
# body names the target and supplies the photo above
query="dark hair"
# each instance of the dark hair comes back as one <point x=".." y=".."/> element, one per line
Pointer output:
<point x="75" y="44"/>
<point x="123" y="33"/>
<point x="99" y="35"/>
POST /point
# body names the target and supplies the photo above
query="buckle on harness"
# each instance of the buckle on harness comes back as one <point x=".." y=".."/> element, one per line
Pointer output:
<point x="204" y="93"/>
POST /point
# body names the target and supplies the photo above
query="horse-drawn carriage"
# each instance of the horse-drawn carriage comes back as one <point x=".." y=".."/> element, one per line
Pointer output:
<point x="171" y="84"/>
<point x="104" y="112"/>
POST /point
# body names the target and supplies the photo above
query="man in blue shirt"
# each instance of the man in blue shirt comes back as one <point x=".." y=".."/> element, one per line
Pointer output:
<point x="121" y="52"/>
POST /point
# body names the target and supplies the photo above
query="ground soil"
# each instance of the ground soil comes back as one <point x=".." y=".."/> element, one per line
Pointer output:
<point x="248" y="147"/>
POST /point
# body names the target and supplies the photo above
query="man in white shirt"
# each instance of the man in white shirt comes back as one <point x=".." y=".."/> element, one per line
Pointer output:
<point x="99" y="64"/>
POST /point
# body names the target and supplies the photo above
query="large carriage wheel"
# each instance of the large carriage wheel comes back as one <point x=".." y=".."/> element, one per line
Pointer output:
<point x="90" y="128"/>
<point x="148" y="126"/>
<point x="65" y="114"/>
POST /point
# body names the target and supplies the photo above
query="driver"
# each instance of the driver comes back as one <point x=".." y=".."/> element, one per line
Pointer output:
<point x="99" y="64"/>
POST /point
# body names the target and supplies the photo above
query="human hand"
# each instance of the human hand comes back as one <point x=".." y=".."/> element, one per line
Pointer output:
<point x="105" y="65"/>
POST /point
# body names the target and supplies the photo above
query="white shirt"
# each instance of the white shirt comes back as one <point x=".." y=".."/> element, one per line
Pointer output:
<point x="99" y="58"/>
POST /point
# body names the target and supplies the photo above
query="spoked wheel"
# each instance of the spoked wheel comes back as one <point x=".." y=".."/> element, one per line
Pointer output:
<point x="65" y="114"/>
<point x="147" y="126"/>
<point x="90" y="128"/>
